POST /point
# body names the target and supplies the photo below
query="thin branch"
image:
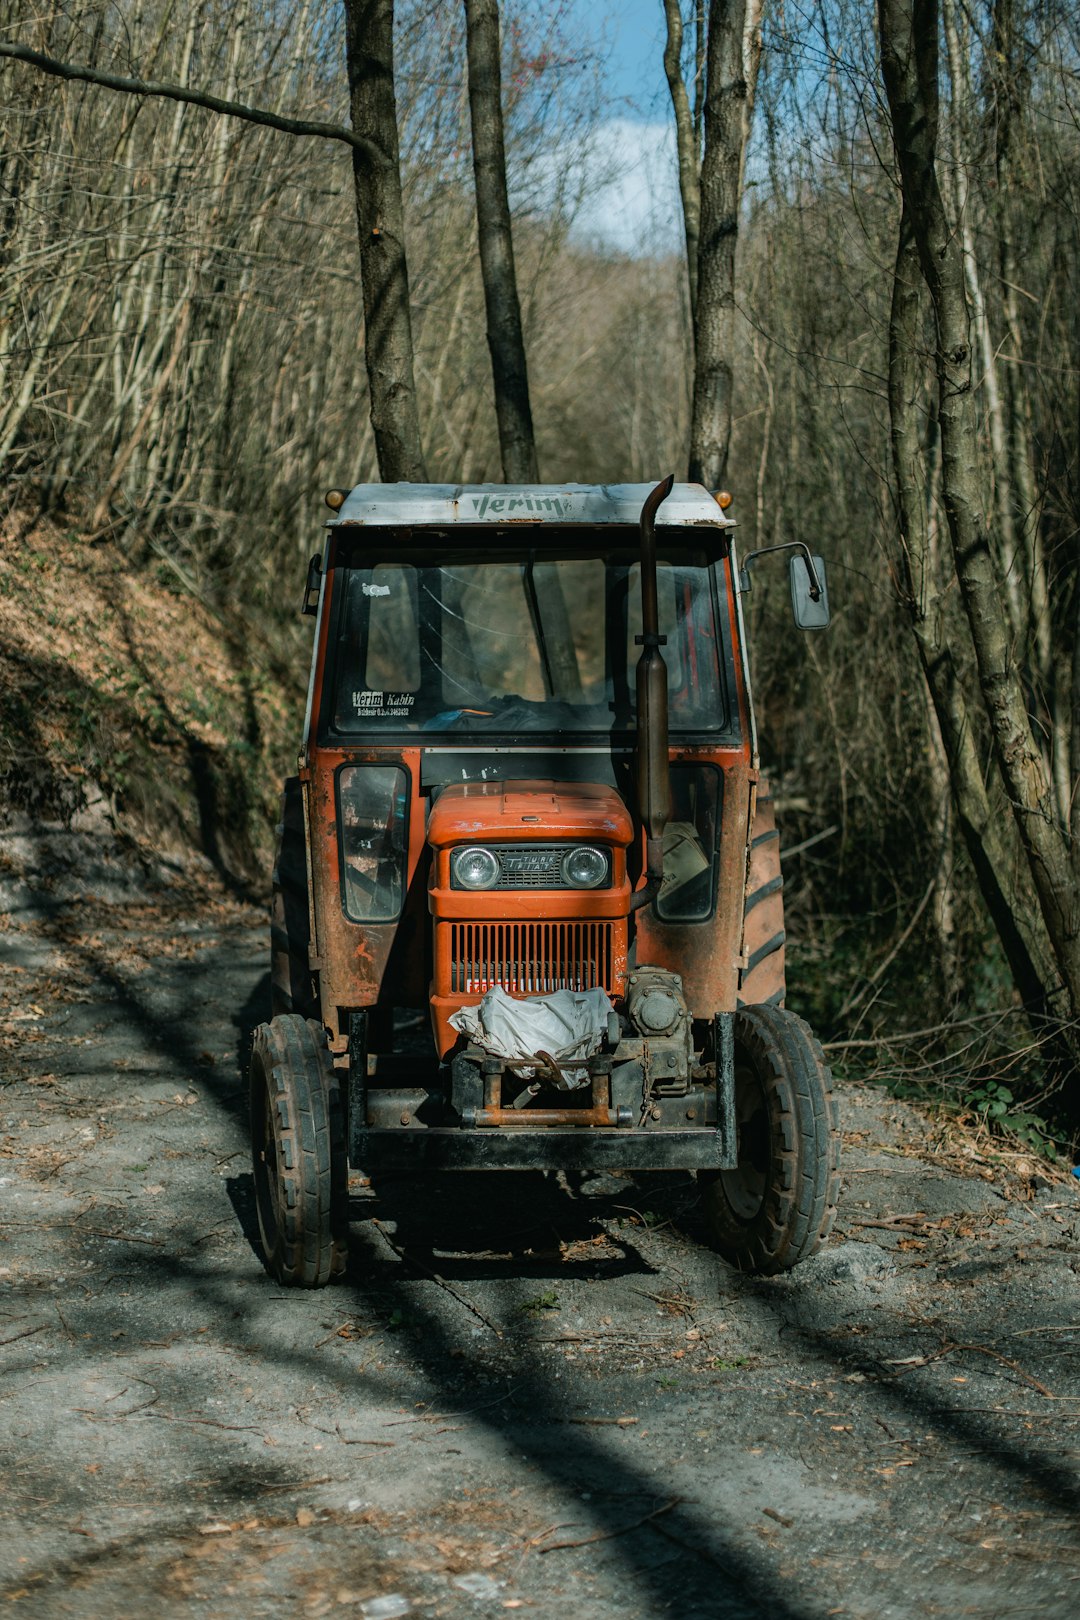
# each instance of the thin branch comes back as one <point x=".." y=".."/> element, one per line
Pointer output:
<point x="609" y="1535"/>
<point x="411" y="1260"/>
<point x="193" y="98"/>
<point x="25" y="1333"/>
<point x="947" y="1349"/>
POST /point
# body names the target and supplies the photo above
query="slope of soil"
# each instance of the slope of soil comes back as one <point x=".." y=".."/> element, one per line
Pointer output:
<point x="527" y="1394"/>
<point x="120" y="690"/>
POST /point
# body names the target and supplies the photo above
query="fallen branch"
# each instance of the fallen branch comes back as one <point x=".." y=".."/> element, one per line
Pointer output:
<point x="905" y="1223"/>
<point x="915" y="1034"/>
<point x="208" y="1423"/>
<point x="92" y="1231"/>
<point x="338" y="1333"/>
<point x="118" y="1417"/>
<point x="979" y="1349"/>
<point x="410" y="1260"/>
<point x="619" y="1422"/>
<point x="609" y="1535"/>
<point x="694" y="1547"/>
<point x="25" y="1333"/>
<point x="1066" y="1327"/>
<point x="359" y="1442"/>
<point x="336" y="1434"/>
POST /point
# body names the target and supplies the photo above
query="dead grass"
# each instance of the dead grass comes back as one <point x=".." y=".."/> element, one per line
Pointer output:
<point x="116" y="690"/>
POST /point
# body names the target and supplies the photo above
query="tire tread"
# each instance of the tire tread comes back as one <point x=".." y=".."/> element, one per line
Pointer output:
<point x="762" y="980"/>
<point x="802" y="1187"/>
<point x="307" y="1246"/>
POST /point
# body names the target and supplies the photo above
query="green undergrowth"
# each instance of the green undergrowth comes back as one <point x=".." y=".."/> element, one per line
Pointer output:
<point x="956" y="1041"/>
<point x="1027" y="1116"/>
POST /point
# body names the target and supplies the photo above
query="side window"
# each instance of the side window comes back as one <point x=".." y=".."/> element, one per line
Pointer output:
<point x="378" y="655"/>
<point x="690" y="838"/>
<point x="373" y="818"/>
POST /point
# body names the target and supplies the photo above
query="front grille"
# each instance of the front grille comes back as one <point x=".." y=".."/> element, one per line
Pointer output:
<point x="530" y="958"/>
<point x="532" y="866"/>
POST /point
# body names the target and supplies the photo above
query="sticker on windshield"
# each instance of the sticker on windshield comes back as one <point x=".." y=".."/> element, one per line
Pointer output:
<point x="376" y="590"/>
<point x="384" y="705"/>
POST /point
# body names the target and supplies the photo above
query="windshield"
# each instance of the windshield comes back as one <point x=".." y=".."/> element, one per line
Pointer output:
<point x="527" y="642"/>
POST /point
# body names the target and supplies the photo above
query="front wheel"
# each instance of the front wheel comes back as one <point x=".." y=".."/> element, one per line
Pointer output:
<point x="298" y="1153"/>
<point x="777" y="1206"/>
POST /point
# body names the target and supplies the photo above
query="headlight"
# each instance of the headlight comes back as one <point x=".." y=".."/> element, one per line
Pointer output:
<point x="474" y="868"/>
<point x="585" y="868"/>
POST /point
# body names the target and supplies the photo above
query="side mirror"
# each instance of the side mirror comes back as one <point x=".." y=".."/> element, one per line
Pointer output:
<point x="809" y="592"/>
<point x="809" y="597"/>
<point x="311" y="589"/>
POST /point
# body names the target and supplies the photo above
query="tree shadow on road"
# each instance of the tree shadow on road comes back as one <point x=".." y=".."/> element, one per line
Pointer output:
<point x="685" y="1562"/>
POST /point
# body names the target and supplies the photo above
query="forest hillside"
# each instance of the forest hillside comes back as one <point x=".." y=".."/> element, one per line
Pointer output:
<point x="124" y="696"/>
<point x="869" y="336"/>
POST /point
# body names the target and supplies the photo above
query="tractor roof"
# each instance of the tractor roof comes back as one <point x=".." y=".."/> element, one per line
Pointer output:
<point x="466" y="505"/>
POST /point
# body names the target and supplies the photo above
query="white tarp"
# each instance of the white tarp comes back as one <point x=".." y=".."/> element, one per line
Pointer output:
<point x="568" y="1025"/>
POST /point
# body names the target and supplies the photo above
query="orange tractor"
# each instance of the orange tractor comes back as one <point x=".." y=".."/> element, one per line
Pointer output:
<point x="529" y="804"/>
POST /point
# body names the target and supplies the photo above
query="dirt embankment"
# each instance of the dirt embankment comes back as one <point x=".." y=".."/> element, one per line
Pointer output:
<point x="527" y="1394"/>
<point x="122" y="692"/>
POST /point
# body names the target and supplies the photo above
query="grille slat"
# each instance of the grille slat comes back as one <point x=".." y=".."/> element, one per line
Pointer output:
<point x="530" y="958"/>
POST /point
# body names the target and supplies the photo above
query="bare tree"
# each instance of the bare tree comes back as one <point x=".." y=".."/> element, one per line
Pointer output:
<point x="505" y="340"/>
<point x="687" y="134"/>
<point x="380" y="215"/>
<point x="990" y="836"/>
<point x="909" y="56"/>
<point x="732" y="59"/>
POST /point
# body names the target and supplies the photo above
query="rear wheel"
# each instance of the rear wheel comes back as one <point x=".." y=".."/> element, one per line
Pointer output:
<point x="291" y="987"/>
<point x="762" y="979"/>
<point x="777" y="1206"/>
<point x="298" y="1154"/>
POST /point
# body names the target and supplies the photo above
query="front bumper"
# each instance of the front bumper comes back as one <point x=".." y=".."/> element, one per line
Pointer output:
<point x="580" y="1148"/>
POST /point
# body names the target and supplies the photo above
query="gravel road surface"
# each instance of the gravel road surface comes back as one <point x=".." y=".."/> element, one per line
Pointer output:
<point x="528" y="1393"/>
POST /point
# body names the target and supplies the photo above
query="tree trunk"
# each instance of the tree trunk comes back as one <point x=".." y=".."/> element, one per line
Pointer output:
<point x="380" y="215"/>
<point x="990" y="838"/>
<point x="732" y="58"/>
<point x="960" y="202"/>
<point x="687" y="145"/>
<point x="909" y="53"/>
<point x="516" y="443"/>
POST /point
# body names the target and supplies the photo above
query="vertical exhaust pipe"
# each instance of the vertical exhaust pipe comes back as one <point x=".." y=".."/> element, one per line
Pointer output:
<point x="653" y="776"/>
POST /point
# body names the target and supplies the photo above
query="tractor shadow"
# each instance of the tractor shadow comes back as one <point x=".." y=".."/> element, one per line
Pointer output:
<point x="504" y="1225"/>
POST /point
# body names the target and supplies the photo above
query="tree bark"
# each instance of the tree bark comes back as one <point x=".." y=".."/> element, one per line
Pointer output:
<point x="909" y="53"/>
<point x="990" y="838"/>
<point x="732" y="57"/>
<point x="505" y="341"/>
<point x="380" y="215"/>
<point x="686" y="144"/>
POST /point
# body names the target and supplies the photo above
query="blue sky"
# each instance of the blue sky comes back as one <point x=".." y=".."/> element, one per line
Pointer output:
<point x="633" y="33"/>
<point x="634" y="207"/>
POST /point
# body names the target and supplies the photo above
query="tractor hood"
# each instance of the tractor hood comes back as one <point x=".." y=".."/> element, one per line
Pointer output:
<point x="528" y="812"/>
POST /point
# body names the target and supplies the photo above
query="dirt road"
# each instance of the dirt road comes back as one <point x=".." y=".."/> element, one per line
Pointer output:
<point x="526" y="1395"/>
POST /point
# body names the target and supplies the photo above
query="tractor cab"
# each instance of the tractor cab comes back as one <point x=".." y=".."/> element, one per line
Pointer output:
<point x="528" y="806"/>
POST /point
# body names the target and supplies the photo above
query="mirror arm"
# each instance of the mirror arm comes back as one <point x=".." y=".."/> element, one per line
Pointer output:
<point x="788" y="545"/>
<point x="311" y="588"/>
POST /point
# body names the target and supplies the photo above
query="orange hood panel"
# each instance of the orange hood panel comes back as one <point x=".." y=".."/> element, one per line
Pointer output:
<point x="529" y="812"/>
